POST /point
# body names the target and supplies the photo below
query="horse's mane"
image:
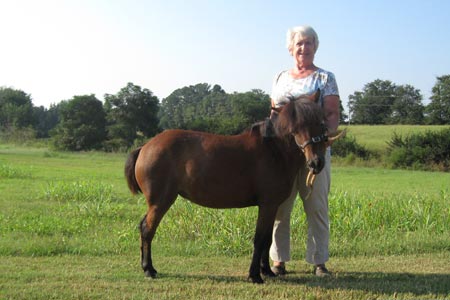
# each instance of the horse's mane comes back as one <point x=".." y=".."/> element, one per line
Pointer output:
<point x="293" y="117"/>
<point x="297" y="115"/>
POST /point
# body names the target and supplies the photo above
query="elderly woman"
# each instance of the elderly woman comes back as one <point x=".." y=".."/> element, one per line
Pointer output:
<point x="305" y="78"/>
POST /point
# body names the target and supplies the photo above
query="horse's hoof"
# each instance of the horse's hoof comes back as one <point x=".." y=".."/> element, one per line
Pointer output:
<point x="150" y="274"/>
<point x="256" y="279"/>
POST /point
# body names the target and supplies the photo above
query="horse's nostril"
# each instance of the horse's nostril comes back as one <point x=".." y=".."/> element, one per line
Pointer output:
<point x="312" y="164"/>
<point x="316" y="165"/>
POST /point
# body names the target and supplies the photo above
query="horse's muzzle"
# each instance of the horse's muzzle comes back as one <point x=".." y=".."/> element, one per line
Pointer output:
<point x="316" y="164"/>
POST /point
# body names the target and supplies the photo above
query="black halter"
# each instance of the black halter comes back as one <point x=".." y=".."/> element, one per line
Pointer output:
<point x="316" y="139"/>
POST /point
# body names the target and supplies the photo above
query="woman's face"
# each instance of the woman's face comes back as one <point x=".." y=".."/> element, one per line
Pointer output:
<point x="303" y="51"/>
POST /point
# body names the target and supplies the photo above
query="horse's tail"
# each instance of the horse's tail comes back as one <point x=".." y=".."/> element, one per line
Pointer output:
<point x="129" y="171"/>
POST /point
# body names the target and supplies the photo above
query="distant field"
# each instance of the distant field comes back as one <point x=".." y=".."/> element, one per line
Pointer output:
<point x="69" y="231"/>
<point x="376" y="137"/>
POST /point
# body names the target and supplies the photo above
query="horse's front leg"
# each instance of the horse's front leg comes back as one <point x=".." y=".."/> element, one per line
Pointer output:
<point x="265" y="263"/>
<point x="261" y="244"/>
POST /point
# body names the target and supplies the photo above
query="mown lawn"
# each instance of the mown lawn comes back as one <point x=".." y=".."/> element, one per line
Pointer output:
<point x="118" y="277"/>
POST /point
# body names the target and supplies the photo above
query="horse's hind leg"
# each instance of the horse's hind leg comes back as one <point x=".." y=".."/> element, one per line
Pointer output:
<point x="146" y="251"/>
<point x="148" y="227"/>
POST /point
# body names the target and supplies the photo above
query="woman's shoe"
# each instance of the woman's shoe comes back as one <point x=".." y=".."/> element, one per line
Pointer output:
<point x="321" y="271"/>
<point x="279" y="270"/>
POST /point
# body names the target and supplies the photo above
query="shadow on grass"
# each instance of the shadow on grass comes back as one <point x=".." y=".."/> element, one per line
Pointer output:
<point x="197" y="277"/>
<point x="377" y="282"/>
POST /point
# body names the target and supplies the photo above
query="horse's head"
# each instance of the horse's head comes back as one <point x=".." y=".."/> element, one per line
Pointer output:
<point x="305" y="121"/>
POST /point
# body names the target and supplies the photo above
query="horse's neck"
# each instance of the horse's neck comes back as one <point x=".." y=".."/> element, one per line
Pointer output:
<point x="285" y="151"/>
<point x="293" y="152"/>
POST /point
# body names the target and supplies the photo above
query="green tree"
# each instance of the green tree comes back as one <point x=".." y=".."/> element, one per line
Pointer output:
<point x="374" y="104"/>
<point x="407" y="107"/>
<point x="208" y="111"/>
<point x="45" y="120"/>
<point x="200" y="107"/>
<point x="15" y="109"/>
<point x="132" y="112"/>
<point x="248" y="108"/>
<point x="231" y="114"/>
<point x="82" y="124"/>
<point x="179" y="109"/>
<point x="439" y="108"/>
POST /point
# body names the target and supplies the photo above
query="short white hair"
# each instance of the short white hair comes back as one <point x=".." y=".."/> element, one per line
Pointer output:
<point x="301" y="32"/>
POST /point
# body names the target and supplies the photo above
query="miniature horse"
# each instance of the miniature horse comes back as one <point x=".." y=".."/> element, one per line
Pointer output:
<point x="229" y="172"/>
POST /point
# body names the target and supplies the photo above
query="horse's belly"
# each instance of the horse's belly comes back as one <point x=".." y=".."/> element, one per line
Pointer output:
<point x="226" y="203"/>
<point x="220" y="197"/>
<point x="222" y="183"/>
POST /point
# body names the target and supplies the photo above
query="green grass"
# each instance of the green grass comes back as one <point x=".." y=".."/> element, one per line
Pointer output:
<point x="118" y="277"/>
<point x="375" y="138"/>
<point x="69" y="231"/>
<point x="8" y="171"/>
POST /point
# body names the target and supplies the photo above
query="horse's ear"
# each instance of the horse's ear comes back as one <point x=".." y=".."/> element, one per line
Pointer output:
<point x="277" y="109"/>
<point x="255" y="130"/>
<point x="314" y="97"/>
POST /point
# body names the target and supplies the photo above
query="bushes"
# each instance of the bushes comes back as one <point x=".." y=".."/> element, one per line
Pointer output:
<point x="425" y="150"/>
<point x="348" y="147"/>
<point x="16" y="135"/>
<point x="428" y="151"/>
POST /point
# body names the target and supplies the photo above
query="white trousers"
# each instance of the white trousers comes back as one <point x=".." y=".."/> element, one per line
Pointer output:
<point x="316" y="209"/>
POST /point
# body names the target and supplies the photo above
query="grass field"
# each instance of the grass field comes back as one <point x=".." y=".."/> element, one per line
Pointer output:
<point x="375" y="138"/>
<point x="69" y="231"/>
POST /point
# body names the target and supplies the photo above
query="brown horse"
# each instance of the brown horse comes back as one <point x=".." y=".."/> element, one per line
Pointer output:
<point x="228" y="172"/>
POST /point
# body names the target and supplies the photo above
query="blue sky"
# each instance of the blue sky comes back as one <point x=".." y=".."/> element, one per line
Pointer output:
<point x="54" y="50"/>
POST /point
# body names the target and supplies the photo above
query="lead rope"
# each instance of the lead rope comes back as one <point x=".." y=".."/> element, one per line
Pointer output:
<point x="310" y="182"/>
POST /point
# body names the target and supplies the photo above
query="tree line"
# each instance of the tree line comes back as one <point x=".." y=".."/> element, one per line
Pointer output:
<point x="134" y="114"/>
<point x="384" y="102"/>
